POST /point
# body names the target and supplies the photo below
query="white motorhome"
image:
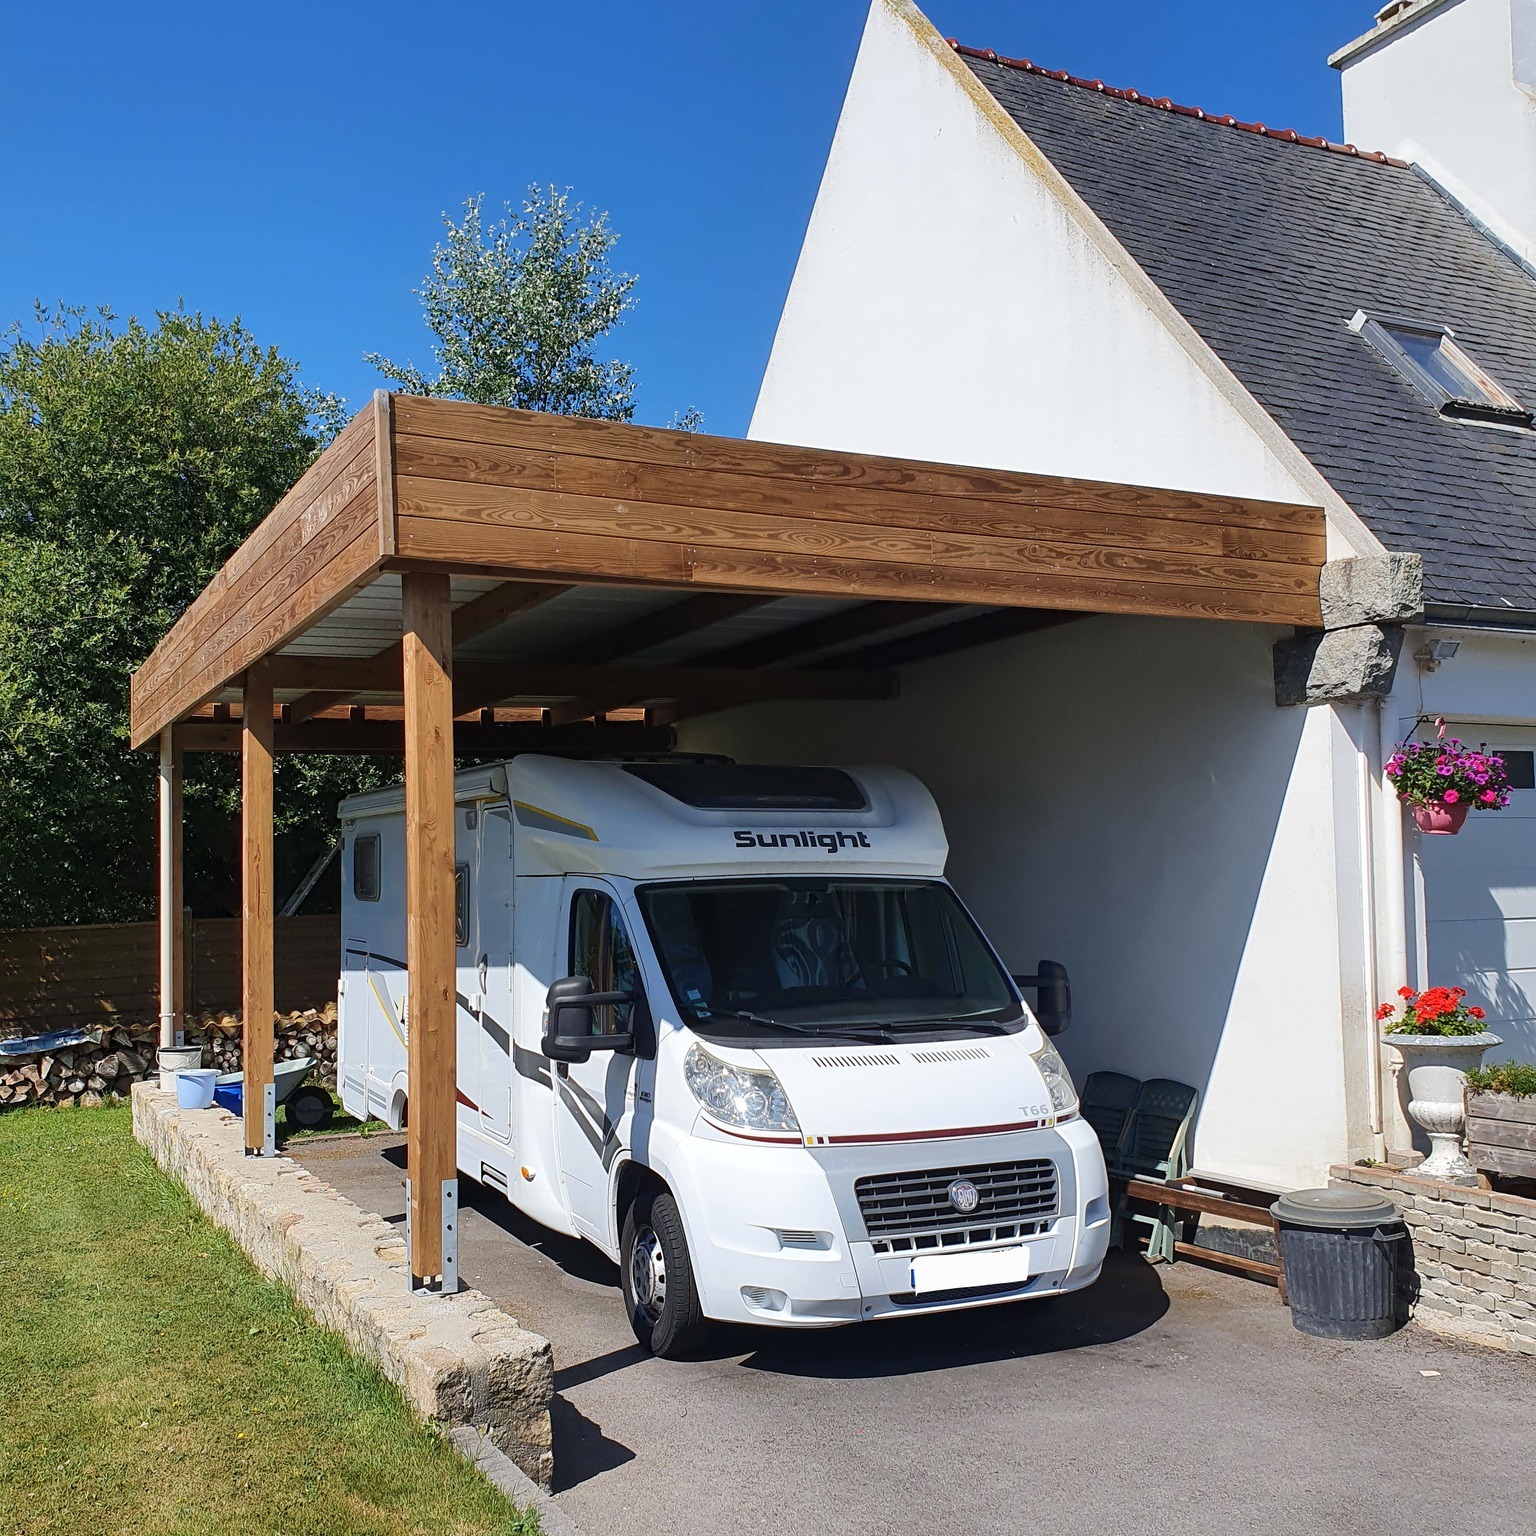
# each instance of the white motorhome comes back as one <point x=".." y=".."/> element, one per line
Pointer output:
<point x="729" y="1024"/>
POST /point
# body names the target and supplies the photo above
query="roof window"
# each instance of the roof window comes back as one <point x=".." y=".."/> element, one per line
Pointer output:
<point x="1428" y="357"/>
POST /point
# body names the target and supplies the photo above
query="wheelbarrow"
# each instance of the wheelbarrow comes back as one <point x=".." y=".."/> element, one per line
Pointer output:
<point x="308" y="1104"/>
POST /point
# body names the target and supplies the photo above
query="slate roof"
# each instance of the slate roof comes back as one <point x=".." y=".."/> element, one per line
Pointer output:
<point x="1268" y="244"/>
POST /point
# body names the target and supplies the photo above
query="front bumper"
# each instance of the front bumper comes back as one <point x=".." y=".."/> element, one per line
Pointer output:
<point x="776" y="1234"/>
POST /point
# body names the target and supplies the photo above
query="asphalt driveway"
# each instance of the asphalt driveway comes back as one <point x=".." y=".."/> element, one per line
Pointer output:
<point x="1160" y="1400"/>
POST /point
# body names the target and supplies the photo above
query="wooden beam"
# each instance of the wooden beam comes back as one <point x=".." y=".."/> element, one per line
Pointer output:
<point x="490" y="610"/>
<point x="643" y="634"/>
<point x="556" y="500"/>
<point x="940" y="640"/>
<point x="482" y="683"/>
<point x="652" y="629"/>
<point x="529" y="451"/>
<point x="480" y="615"/>
<point x="432" y="1044"/>
<point x="316" y="547"/>
<point x="386" y="738"/>
<point x="256" y="880"/>
<point x="836" y="629"/>
<point x="980" y="629"/>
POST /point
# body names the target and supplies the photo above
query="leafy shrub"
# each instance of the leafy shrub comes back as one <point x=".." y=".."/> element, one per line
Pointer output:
<point x="1513" y="1077"/>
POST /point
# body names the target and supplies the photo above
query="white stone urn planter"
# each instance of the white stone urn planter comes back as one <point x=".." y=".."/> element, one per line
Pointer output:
<point x="1437" y="1085"/>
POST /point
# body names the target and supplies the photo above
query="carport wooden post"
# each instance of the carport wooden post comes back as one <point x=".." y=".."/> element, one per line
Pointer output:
<point x="256" y="981"/>
<point x="173" y="1000"/>
<point x="431" y="1012"/>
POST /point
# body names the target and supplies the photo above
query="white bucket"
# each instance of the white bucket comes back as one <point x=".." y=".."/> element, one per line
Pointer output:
<point x="172" y="1059"/>
<point x="194" y="1089"/>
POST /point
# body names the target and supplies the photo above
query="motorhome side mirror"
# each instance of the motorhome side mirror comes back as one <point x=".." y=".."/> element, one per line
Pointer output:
<point x="568" y="1020"/>
<point x="1053" y="1005"/>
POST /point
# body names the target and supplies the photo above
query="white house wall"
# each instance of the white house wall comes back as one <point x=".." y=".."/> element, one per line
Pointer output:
<point x="948" y="304"/>
<point x="1453" y="89"/>
<point x="1124" y="796"/>
<point x="1470" y="901"/>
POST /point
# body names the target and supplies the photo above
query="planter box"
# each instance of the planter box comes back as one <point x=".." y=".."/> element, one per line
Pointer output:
<point x="1501" y="1134"/>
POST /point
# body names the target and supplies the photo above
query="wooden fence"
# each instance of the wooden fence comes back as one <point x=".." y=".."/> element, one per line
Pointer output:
<point x="53" y="977"/>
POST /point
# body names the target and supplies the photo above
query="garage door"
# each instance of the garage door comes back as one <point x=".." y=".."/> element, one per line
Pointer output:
<point x="1480" y="900"/>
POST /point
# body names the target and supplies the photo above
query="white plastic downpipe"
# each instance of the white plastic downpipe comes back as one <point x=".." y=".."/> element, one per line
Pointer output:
<point x="1392" y="963"/>
<point x="1369" y="817"/>
<point x="168" y="899"/>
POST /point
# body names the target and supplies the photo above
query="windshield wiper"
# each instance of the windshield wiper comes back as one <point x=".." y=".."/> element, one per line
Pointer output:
<point x="978" y="1026"/>
<point x="882" y="1036"/>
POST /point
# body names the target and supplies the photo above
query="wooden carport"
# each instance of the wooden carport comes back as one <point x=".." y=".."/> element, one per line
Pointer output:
<point x="450" y="578"/>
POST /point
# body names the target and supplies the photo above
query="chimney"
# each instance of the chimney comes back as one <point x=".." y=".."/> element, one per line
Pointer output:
<point x="1451" y="86"/>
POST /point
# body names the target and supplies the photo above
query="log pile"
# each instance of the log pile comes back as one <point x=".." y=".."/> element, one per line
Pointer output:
<point x="93" y="1073"/>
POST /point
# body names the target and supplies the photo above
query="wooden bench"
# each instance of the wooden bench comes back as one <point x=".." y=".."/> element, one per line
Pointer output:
<point x="1207" y="1195"/>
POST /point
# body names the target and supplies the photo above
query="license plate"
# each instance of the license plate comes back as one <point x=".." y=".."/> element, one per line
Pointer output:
<point x="962" y="1271"/>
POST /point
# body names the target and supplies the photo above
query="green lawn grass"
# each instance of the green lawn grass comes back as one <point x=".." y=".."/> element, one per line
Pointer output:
<point x="151" y="1380"/>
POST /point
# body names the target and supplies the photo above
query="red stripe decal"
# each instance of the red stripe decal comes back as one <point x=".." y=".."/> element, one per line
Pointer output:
<point x="968" y="1130"/>
<point x="467" y="1103"/>
<point x="776" y="1141"/>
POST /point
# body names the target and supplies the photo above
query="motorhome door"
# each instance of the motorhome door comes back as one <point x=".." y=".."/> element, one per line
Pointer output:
<point x="592" y="1094"/>
<point x="494" y="978"/>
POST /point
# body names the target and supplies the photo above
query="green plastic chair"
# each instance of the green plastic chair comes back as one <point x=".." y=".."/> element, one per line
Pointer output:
<point x="1108" y="1098"/>
<point x="1155" y="1145"/>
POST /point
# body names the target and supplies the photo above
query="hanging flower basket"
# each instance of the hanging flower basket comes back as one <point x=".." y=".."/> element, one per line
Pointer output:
<point x="1442" y="781"/>
<point x="1436" y="819"/>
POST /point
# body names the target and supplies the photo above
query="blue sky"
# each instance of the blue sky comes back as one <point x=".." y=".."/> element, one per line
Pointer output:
<point x="288" y="163"/>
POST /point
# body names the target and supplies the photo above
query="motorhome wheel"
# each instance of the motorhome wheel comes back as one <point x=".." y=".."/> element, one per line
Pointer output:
<point x="659" y="1288"/>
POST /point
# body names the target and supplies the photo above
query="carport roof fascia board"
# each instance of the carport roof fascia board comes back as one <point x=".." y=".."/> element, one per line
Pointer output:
<point x="689" y="513"/>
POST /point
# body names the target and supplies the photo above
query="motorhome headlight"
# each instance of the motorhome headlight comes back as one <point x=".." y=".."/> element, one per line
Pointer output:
<point x="1058" y="1080"/>
<point x="752" y="1099"/>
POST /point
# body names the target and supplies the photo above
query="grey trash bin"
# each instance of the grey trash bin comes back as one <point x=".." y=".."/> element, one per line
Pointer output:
<point x="1345" y="1261"/>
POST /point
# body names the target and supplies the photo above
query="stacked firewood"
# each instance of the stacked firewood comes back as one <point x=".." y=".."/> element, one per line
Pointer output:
<point x="311" y="1032"/>
<point x="90" y="1074"/>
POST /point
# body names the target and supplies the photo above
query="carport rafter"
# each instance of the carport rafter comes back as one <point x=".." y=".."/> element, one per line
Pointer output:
<point x="427" y="523"/>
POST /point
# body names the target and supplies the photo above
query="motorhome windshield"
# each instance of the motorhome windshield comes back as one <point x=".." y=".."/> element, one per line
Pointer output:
<point x="752" y="957"/>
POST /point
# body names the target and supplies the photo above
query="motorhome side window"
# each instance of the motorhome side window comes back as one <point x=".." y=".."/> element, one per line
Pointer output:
<point x="365" y="867"/>
<point x="600" y="950"/>
<point x="461" y="904"/>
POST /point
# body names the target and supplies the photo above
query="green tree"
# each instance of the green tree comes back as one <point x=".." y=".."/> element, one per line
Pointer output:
<point x="133" y="459"/>
<point x="517" y="309"/>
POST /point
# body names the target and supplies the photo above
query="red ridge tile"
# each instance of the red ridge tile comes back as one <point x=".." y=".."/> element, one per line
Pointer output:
<point x="1163" y="104"/>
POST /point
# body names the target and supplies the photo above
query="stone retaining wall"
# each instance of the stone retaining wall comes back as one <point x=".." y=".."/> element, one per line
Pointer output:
<point x="460" y="1361"/>
<point x="1474" y="1251"/>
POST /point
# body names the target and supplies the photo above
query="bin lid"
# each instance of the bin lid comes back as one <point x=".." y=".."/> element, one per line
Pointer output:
<point x="1334" y="1208"/>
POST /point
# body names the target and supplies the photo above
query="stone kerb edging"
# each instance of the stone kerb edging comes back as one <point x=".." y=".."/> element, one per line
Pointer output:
<point x="460" y="1361"/>
<point x="1474" y="1251"/>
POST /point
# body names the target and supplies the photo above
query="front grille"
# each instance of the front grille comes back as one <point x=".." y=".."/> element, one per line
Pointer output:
<point x="958" y="1237"/>
<point x="893" y="1203"/>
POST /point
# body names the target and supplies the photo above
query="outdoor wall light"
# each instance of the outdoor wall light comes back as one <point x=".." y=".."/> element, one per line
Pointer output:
<point x="1433" y="652"/>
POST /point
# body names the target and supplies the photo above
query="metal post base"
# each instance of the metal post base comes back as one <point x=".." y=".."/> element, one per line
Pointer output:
<point x="447" y="1283"/>
<point x="268" y="1147"/>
